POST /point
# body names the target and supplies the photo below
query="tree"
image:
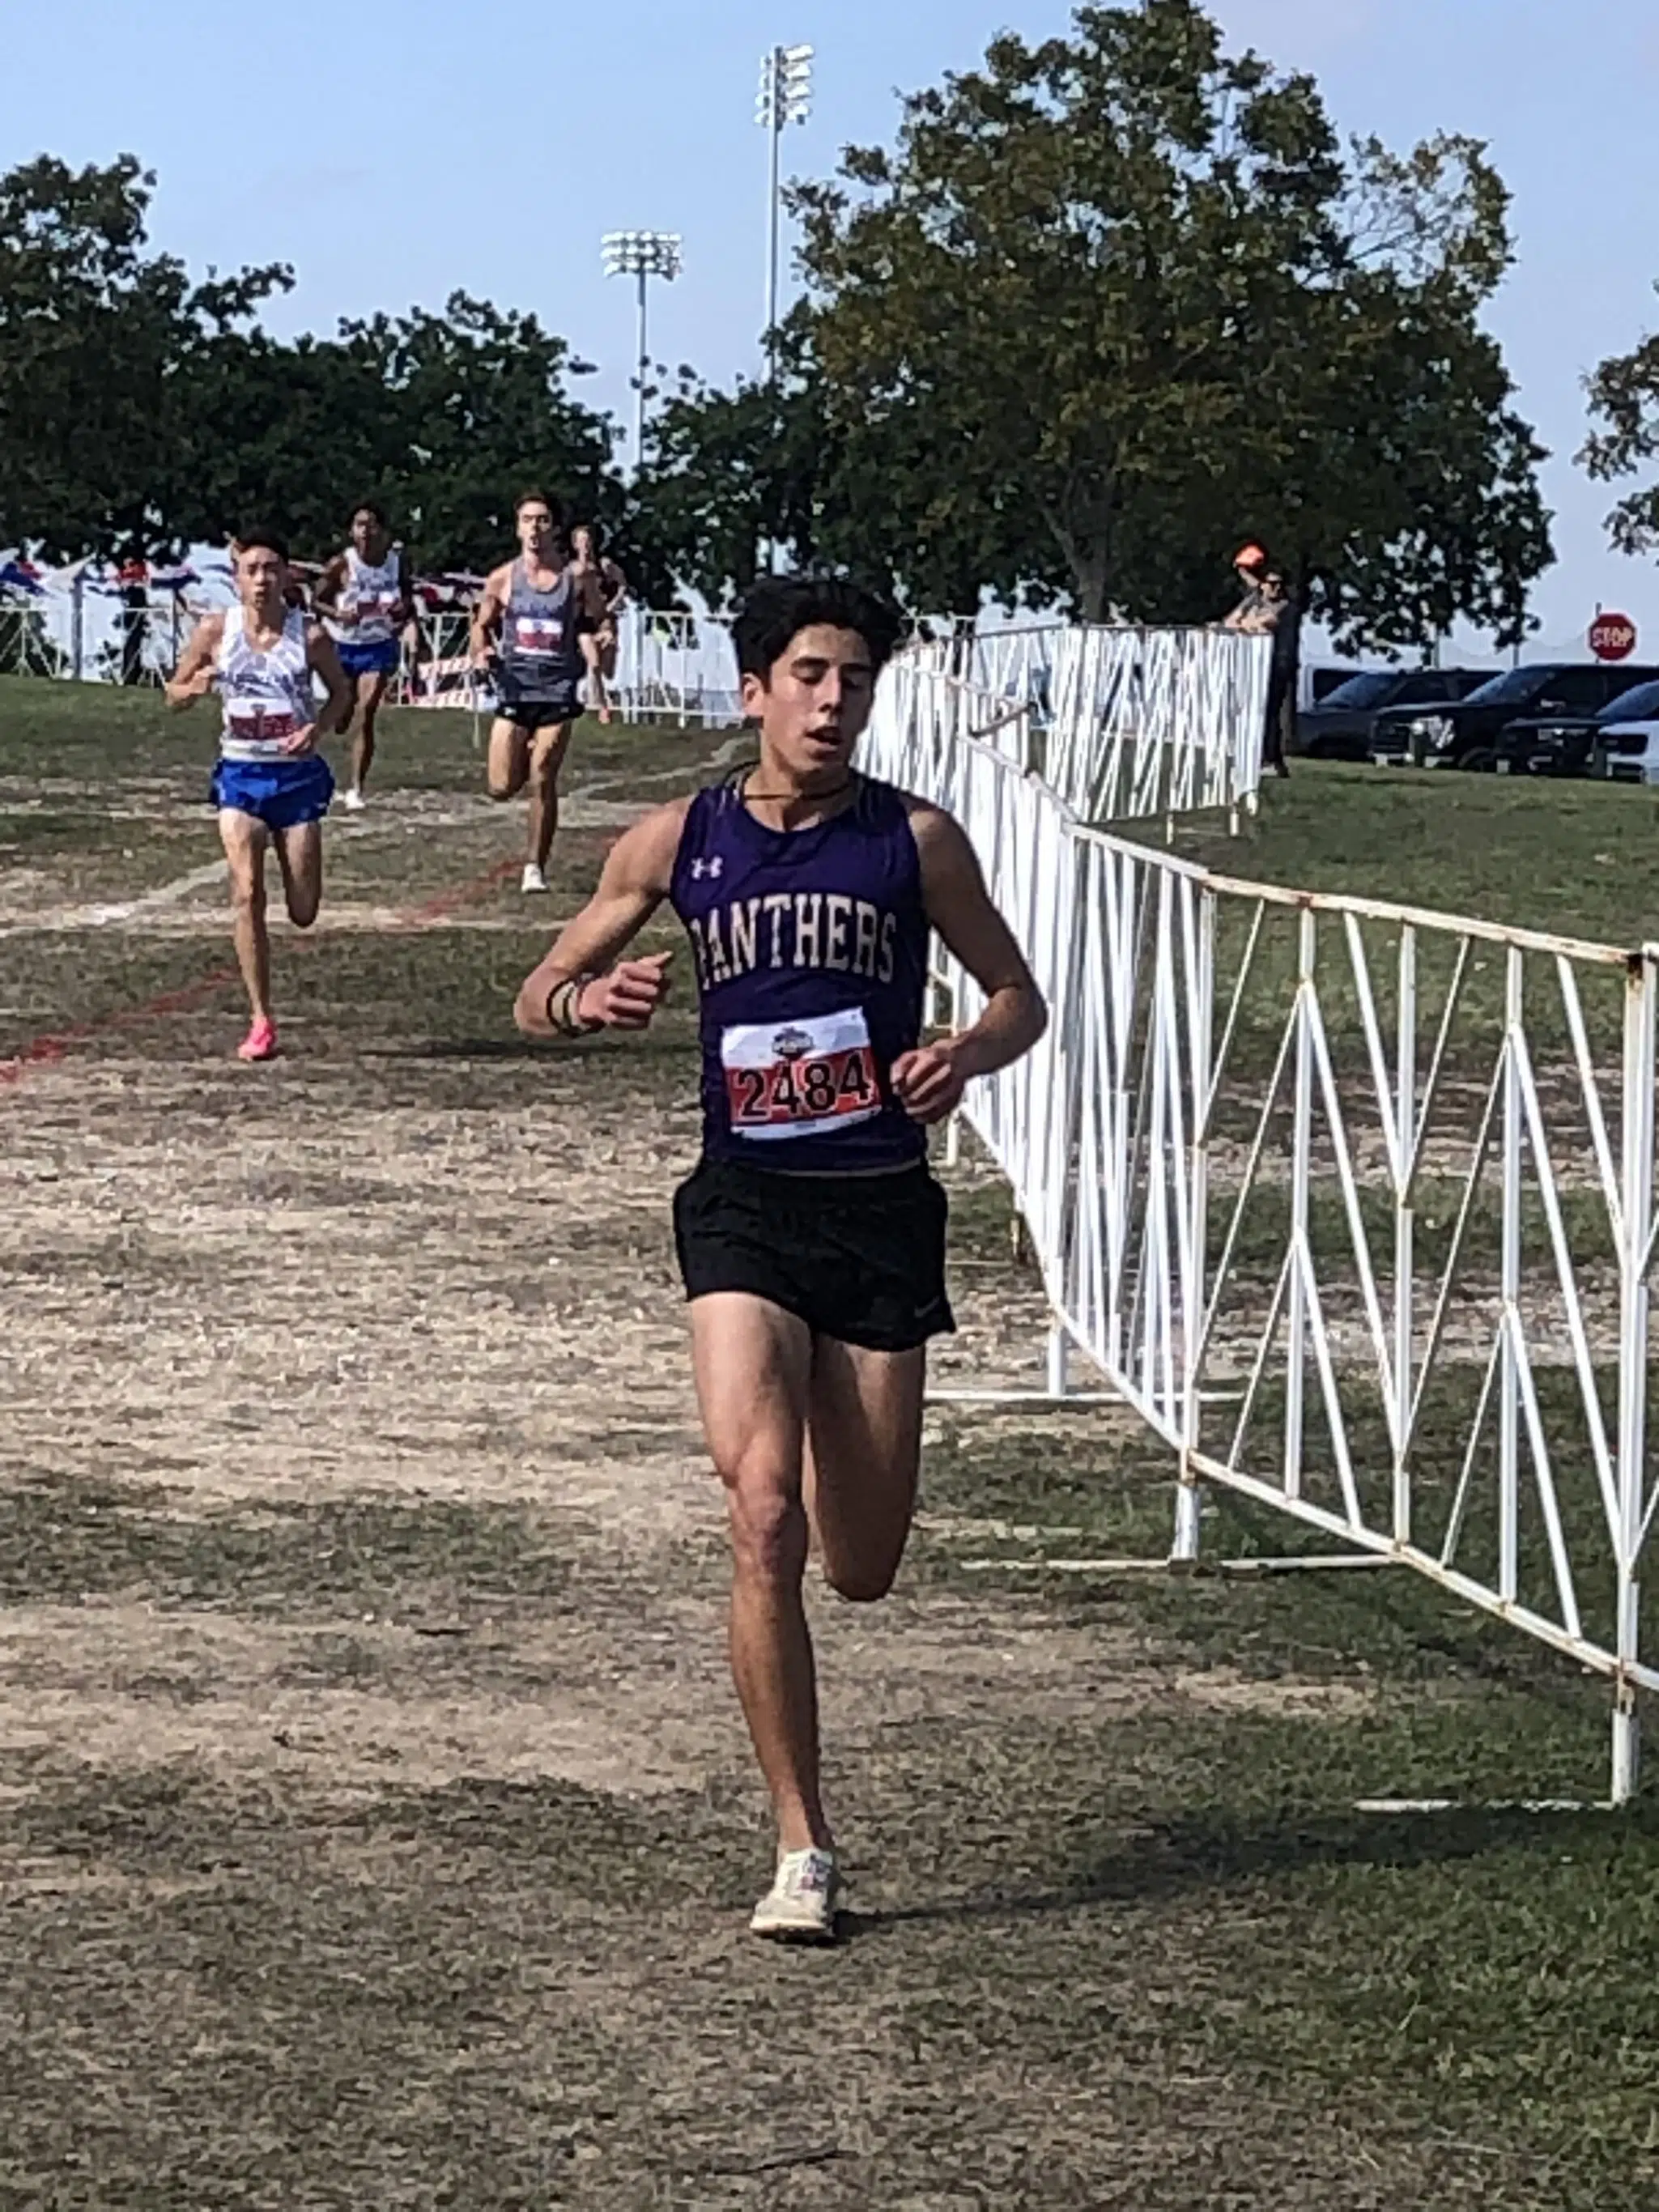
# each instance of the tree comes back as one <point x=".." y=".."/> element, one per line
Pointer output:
<point x="732" y="473"/>
<point x="92" y="332"/>
<point x="478" y="401"/>
<point x="140" y="411"/>
<point x="1115" y="298"/>
<point x="773" y="462"/>
<point x="1624" y="396"/>
<point x="444" y="418"/>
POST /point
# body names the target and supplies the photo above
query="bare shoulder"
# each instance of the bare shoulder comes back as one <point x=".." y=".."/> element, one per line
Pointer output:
<point x="646" y="852"/>
<point x="939" y="836"/>
<point x="209" y="631"/>
<point x="499" y="581"/>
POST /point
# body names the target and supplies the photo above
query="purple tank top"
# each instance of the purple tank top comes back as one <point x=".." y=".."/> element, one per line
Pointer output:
<point x="810" y="948"/>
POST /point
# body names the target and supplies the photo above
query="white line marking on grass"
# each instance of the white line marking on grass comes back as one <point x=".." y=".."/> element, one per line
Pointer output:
<point x="585" y="807"/>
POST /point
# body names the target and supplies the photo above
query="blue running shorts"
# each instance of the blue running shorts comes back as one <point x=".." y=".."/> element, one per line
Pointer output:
<point x="379" y="658"/>
<point x="281" y="794"/>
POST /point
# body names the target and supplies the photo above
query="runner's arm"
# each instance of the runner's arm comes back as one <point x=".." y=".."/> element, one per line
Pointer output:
<point x="404" y="613"/>
<point x="616" y="587"/>
<point x="325" y="600"/>
<point x="486" y="617"/>
<point x="929" y="1082"/>
<point x="622" y="994"/>
<point x="326" y="662"/>
<point x="192" y="679"/>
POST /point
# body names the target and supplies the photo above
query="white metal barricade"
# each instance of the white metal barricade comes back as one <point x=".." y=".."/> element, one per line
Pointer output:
<point x="1352" y="1202"/>
<point x="442" y="674"/>
<point x="676" y="667"/>
<point x="1125" y="723"/>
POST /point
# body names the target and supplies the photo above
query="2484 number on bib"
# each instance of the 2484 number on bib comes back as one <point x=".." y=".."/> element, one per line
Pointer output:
<point x="800" y="1078"/>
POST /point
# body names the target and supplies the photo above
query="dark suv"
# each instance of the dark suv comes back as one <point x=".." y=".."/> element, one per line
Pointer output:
<point x="1570" y="745"/>
<point x="1466" y="733"/>
<point x="1339" y="725"/>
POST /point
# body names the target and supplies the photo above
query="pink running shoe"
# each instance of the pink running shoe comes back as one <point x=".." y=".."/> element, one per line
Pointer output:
<point x="260" y="1042"/>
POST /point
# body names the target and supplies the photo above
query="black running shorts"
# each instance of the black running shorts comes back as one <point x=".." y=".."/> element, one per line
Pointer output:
<point x="540" y="713"/>
<point x="860" y="1258"/>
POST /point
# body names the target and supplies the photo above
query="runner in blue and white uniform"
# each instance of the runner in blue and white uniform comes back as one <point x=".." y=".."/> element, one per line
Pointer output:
<point x="271" y="785"/>
<point x="811" y="1235"/>
<point x="367" y="601"/>
<point x="526" y="636"/>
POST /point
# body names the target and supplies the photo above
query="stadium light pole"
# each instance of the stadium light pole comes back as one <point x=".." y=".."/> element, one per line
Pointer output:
<point x="641" y="254"/>
<point x="786" y="97"/>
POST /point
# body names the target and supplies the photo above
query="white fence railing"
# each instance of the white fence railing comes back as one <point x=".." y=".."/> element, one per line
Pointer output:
<point x="1121" y="724"/>
<point x="676" y="668"/>
<point x="669" y="667"/>
<point x="1353" y="1203"/>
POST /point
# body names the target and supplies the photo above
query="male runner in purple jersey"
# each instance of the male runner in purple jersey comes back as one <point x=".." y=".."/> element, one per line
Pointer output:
<point x="811" y="1235"/>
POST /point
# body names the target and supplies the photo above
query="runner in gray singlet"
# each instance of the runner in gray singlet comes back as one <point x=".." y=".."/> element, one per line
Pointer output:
<point x="525" y="633"/>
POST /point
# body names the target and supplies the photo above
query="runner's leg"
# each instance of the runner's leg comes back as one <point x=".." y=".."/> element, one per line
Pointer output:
<point x="244" y="837"/>
<point x="371" y="689"/>
<point x="598" y="698"/>
<point x="299" y="856"/>
<point x="864" y="1446"/>
<point x="547" y="751"/>
<point x="507" y="762"/>
<point x="590" y="646"/>
<point x="753" y="1364"/>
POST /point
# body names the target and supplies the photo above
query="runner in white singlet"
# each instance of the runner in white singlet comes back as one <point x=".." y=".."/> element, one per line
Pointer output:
<point x="271" y="785"/>
<point x="367" y="601"/>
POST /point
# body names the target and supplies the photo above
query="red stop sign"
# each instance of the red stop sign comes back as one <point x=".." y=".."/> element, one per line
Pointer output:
<point x="1612" y="637"/>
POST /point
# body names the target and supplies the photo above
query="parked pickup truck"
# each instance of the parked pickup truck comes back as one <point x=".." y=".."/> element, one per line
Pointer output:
<point x="1466" y="733"/>
<point x="1340" y="725"/>
<point x="1628" y="737"/>
<point x="1572" y="745"/>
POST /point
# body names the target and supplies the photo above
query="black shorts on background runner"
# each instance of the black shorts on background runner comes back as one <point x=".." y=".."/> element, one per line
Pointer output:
<point x="860" y="1258"/>
<point x="534" y="714"/>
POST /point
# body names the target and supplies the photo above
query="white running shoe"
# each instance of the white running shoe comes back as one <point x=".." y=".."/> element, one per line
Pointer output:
<point x="800" y="1906"/>
<point x="353" y="802"/>
<point x="534" y="879"/>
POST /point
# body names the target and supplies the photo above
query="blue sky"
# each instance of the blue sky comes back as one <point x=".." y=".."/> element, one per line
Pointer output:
<point x="400" y="152"/>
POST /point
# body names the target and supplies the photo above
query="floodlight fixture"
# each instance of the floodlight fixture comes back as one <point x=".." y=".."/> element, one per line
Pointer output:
<point x="786" y="97"/>
<point x="641" y="254"/>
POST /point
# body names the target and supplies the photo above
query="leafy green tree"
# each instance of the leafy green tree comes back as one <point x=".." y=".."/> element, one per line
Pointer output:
<point x="479" y="403"/>
<point x="139" y="410"/>
<point x="772" y="463"/>
<point x="445" y="419"/>
<point x="92" y="331"/>
<point x="1624" y="398"/>
<point x="731" y="474"/>
<point x="1114" y="300"/>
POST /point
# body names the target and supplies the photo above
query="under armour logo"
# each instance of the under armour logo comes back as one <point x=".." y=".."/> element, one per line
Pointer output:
<point x="702" y="868"/>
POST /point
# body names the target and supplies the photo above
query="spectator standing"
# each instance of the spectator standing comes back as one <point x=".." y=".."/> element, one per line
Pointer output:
<point x="1268" y="608"/>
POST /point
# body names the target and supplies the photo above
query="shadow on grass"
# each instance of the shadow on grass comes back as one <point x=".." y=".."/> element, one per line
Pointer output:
<point x="1173" y="1859"/>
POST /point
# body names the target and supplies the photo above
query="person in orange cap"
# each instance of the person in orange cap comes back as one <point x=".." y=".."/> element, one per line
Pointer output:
<point x="1266" y="608"/>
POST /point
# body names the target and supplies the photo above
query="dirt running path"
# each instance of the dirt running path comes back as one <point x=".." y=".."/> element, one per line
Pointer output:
<point x="378" y="1820"/>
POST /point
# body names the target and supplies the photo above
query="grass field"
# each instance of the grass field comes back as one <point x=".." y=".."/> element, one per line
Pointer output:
<point x="376" y="1823"/>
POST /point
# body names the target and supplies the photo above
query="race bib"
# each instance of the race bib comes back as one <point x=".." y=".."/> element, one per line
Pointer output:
<point x="538" y="634"/>
<point x="256" y="724"/>
<point x="800" y="1078"/>
<point x="370" y="606"/>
